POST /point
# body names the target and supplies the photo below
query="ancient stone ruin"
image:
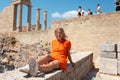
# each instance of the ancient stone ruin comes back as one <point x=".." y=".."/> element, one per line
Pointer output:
<point x="86" y="33"/>
<point x="14" y="54"/>
<point x="14" y="21"/>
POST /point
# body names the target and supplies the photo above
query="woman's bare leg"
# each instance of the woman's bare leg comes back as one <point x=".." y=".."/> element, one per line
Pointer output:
<point x="50" y="66"/>
<point x="44" y="59"/>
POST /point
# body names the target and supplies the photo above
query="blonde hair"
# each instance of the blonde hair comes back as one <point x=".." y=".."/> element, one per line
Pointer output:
<point x="62" y="31"/>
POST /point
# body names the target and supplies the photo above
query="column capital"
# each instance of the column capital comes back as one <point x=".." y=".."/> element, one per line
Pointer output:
<point x="38" y="9"/>
<point x="45" y="11"/>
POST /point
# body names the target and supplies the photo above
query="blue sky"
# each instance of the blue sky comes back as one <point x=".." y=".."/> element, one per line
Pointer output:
<point x="61" y="9"/>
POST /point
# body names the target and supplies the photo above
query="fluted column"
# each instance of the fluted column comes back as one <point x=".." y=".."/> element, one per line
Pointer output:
<point x="45" y="20"/>
<point x="19" y="17"/>
<point x="37" y="19"/>
<point x="29" y="18"/>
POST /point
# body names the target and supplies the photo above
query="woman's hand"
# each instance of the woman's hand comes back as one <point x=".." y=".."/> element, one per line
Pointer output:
<point x="73" y="64"/>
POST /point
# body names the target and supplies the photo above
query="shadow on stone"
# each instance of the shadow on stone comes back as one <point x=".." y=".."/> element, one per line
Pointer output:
<point x="27" y="76"/>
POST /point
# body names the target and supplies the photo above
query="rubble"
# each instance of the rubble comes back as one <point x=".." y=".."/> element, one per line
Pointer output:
<point x="14" y="54"/>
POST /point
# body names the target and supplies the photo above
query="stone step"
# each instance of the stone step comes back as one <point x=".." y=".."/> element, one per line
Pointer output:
<point x="83" y="61"/>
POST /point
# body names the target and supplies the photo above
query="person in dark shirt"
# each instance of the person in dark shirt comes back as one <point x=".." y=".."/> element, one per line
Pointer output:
<point x="89" y="12"/>
<point x="117" y="3"/>
<point x="117" y="6"/>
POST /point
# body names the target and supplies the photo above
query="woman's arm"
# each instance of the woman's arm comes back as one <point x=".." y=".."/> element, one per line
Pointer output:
<point x="70" y="59"/>
<point x="68" y="51"/>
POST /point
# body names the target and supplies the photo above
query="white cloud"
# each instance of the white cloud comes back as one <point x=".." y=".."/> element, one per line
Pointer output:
<point x="68" y="14"/>
<point x="56" y="15"/>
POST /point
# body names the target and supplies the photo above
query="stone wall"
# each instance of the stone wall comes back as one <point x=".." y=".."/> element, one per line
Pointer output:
<point x="6" y="19"/>
<point x="109" y="60"/>
<point x="86" y="33"/>
<point x="108" y="57"/>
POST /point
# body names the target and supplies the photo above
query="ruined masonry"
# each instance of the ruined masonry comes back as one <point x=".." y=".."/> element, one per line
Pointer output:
<point x="110" y="58"/>
<point x="11" y="21"/>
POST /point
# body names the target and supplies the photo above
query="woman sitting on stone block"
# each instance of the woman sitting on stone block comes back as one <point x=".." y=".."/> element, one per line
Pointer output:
<point x="57" y="59"/>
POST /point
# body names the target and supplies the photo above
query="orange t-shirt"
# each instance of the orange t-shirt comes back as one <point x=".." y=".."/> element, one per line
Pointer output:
<point x="60" y="52"/>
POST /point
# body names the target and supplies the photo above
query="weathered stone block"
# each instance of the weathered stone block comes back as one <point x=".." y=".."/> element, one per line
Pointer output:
<point x="107" y="46"/>
<point x="76" y="73"/>
<point x="108" y="66"/>
<point x="108" y="77"/>
<point x="118" y="55"/>
<point x="118" y="47"/>
<point x="111" y="55"/>
<point x="118" y="62"/>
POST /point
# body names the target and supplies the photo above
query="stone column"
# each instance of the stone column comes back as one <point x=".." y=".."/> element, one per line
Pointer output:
<point x="29" y="18"/>
<point x="20" y="17"/>
<point x="45" y="20"/>
<point x="37" y="19"/>
<point x="14" y="17"/>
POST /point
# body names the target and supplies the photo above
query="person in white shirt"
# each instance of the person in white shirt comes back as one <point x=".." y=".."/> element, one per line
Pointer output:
<point x="82" y="13"/>
<point x="79" y="11"/>
<point x="99" y="11"/>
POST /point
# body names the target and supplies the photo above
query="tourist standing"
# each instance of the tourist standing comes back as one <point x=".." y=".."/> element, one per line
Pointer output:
<point x="82" y="12"/>
<point x="99" y="11"/>
<point x="117" y="4"/>
<point x="79" y="11"/>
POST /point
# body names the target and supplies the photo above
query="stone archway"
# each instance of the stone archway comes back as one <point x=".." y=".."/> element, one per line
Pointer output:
<point x="19" y="3"/>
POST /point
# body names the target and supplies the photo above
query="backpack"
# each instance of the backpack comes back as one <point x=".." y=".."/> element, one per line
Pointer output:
<point x="91" y="13"/>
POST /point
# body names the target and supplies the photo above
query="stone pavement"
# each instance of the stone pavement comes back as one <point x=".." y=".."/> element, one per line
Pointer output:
<point x="17" y="75"/>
